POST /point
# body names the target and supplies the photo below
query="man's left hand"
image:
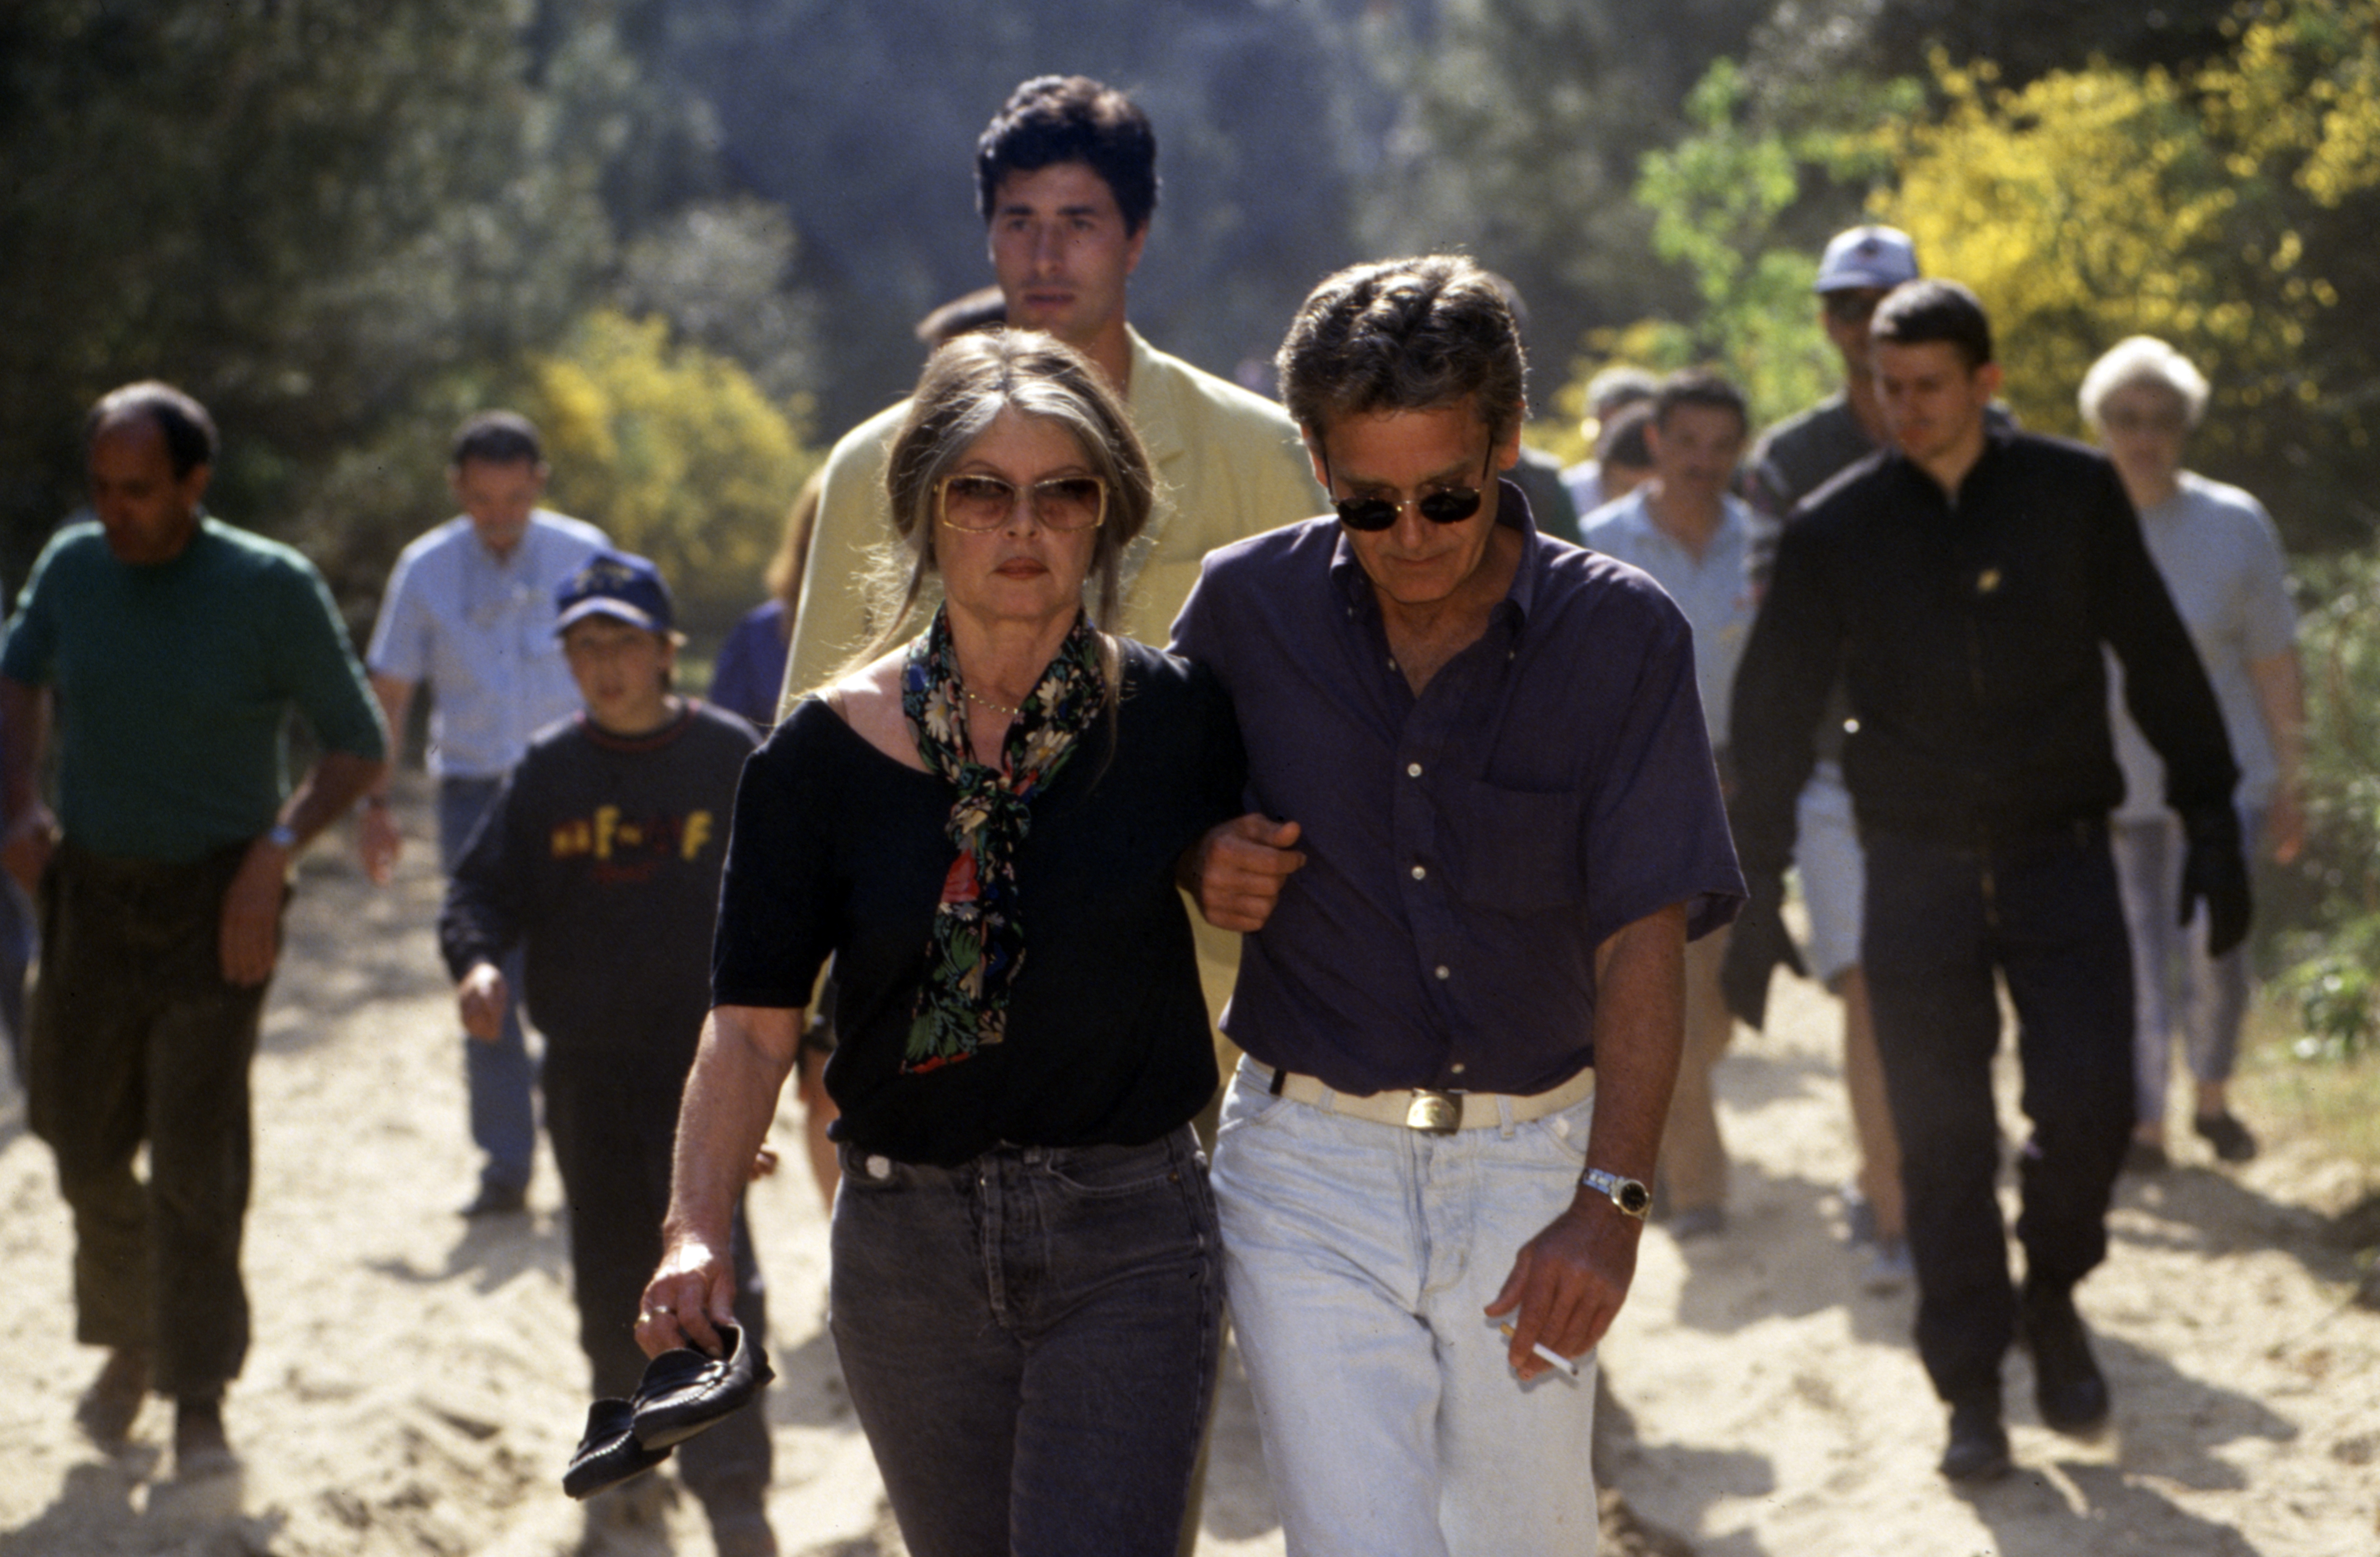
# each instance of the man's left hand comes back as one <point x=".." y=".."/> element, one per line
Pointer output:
<point x="1236" y="872"/>
<point x="2215" y="872"/>
<point x="249" y="941"/>
<point x="1569" y="1282"/>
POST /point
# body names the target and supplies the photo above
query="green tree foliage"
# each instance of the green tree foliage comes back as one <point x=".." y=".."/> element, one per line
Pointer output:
<point x="2162" y="239"/>
<point x="1518" y="131"/>
<point x="673" y="449"/>
<point x="2336" y="886"/>
<point x="718" y="272"/>
<point x="2211" y="208"/>
<point x="1807" y="43"/>
<point x="2226" y="207"/>
<point x="344" y="226"/>
<point x="1729" y="202"/>
<point x="300" y="210"/>
<point x="862" y="119"/>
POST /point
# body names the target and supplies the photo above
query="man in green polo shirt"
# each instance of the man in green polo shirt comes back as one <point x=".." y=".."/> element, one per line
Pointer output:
<point x="174" y="648"/>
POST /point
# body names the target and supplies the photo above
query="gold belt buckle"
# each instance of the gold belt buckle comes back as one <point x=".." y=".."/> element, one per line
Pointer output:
<point x="1433" y="1112"/>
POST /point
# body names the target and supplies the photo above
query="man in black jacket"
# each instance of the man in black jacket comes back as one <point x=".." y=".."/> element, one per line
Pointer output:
<point x="1964" y="579"/>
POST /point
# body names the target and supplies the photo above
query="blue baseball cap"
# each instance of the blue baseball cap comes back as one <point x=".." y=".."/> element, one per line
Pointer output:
<point x="616" y="584"/>
<point x="1880" y="258"/>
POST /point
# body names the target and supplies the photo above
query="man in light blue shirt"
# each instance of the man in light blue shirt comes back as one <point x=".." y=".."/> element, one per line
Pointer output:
<point x="469" y="611"/>
<point x="1686" y="529"/>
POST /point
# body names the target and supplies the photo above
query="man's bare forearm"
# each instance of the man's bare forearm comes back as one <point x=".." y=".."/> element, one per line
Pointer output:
<point x="334" y="784"/>
<point x="24" y="736"/>
<point x="395" y="695"/>
<point x="1640" y="1003"/>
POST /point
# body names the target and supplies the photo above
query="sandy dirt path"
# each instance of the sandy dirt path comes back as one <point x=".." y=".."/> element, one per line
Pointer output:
<point x="415" y="1385"/>
<point x="1776" y="1409"/>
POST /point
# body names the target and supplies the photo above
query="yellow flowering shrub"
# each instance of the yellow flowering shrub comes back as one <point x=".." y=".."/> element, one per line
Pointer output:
<point x="672" y="449"/>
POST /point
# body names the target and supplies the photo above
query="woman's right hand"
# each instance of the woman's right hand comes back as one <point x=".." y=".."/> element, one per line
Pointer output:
<point x="692" y="1293"/>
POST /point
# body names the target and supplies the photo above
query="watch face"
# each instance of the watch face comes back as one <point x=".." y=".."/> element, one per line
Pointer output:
<point x="1629" y="1194"/>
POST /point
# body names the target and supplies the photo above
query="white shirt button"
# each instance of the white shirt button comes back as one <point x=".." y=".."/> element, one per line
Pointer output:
<point x="1456" y="1068"/>
<point x="1412" y="770"/>
<point x="1420" y="872"/>
<point x="1444" y="971"/>
<point x="880" y="1167"/>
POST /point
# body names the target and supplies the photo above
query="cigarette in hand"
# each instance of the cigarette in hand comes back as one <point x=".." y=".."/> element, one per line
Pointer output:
<point x="1565" y="1364"/>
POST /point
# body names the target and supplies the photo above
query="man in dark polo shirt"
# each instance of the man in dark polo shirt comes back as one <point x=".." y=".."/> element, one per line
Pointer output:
<point x="1965" y="583"/>
<point x="1494" y="826"/>
<point x="173" y="647"/>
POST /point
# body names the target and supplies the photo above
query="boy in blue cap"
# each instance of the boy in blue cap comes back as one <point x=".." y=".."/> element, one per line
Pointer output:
<point x="600" y="858"/>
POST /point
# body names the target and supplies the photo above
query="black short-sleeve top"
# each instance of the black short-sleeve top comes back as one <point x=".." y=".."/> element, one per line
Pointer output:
<point x="838" y="848"/>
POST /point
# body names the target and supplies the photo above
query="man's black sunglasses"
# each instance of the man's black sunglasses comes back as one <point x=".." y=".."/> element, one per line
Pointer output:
<point x="1451" y="505"/>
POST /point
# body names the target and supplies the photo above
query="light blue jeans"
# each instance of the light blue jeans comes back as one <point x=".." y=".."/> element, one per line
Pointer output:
<point x="1359" y="1259"/>
<point x="500" y="1078"/>
<point x="2176" y="987"/>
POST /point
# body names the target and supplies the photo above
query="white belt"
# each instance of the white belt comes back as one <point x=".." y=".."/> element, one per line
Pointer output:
<point x="1426" y="1109"/>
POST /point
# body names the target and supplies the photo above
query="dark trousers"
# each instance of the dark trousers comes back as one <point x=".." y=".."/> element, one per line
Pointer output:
<point x="613" y="1117"/>
<point x="1030" y="1340"/>
<point x="500" y="1077"/>
<point x="2041" y="912"/>
<point x="135" y="1036"/>
<point x="16" y="959"/>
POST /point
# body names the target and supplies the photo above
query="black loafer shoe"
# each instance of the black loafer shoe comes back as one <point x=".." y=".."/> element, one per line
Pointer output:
<point x="1978" y="1450"/>
<point x="2067" y="1383"/>
<point x="2226" y="1135"/>
<point x="610" y="1454"/>
<point x="684" y="1391"/>
<point x="112" y="1405"/>
<point x="496" y="1199"/>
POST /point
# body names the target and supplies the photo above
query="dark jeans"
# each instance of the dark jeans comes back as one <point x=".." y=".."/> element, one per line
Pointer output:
<point x="16" y="957"/>
<point x="135" y="1036"/>
<point x="613" y="1117"/>
<point x="1031" y="1341"/>
<point x="2043" y="912"/>
<point x="500" y="1078"/>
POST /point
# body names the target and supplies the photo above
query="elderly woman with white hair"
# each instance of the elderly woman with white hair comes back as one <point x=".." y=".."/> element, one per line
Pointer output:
<point x="2222" y="562"/>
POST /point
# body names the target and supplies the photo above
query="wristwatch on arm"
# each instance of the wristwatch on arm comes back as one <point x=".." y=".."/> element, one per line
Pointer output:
<point x="1629" y="1194"/>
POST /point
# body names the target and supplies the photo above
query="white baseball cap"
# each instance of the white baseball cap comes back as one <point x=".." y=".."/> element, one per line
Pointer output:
<point x="1880" y="257"/>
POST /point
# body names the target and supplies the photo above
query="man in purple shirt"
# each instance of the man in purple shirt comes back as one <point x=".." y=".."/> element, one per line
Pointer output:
<point x="1484" y="823"/>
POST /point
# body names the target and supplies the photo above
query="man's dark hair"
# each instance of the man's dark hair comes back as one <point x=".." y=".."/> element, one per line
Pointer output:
<point x="188" y="431"/>
<point x="1930" y="309"/>
<point x="497" y="437"/>
<point x="1699" y="386"/>
<point x="1054" y="119"/>
<point x="1404" y="335"/>
<point x="984" y="309"/>
<point x="1622" y="442"/>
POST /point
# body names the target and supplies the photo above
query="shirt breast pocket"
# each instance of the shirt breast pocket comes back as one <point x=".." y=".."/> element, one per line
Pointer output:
<point x="1515" y="850"/>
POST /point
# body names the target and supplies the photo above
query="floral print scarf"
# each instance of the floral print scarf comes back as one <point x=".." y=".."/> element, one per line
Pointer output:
<point x="977" y="942"/>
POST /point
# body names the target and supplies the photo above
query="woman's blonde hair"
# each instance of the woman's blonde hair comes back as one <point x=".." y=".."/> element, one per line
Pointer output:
<point x="967" y="385"/>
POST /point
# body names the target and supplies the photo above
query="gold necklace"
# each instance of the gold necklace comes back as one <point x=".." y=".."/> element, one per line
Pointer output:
<point x="973" y="697"/>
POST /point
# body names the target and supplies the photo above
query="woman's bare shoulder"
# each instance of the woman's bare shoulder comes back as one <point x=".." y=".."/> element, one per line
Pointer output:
<point x="868" y="700"/>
